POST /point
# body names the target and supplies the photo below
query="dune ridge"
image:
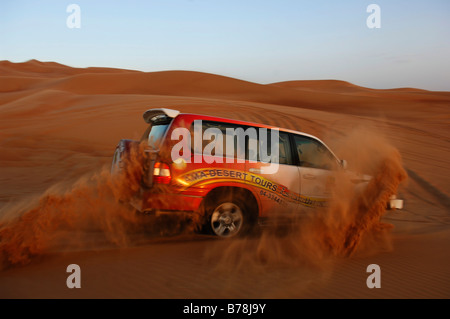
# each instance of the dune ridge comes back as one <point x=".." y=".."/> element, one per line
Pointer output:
<point x="306" y="94"/>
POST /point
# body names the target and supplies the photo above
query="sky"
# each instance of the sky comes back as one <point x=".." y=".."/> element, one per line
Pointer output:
<point x="254" y="40"/>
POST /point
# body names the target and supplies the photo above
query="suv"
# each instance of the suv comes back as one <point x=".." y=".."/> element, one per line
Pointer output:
<point x="226" y="176"/>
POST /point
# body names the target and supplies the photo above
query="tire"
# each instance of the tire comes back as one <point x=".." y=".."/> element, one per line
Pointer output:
<point x="126" y="170"/>
<point x="229" y="217"/>
<point x="117" y="163"/>
<point x="126" y="151"/>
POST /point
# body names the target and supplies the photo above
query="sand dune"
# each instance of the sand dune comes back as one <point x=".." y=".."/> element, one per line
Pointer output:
<point x="59" y="127"/>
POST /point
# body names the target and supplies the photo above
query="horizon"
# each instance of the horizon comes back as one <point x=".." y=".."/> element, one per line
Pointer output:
<point x="220" y="75"/>
<point x="256" y="41"/>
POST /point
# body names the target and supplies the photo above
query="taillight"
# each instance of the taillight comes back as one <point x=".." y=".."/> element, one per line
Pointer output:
<point x="161" y="173"/>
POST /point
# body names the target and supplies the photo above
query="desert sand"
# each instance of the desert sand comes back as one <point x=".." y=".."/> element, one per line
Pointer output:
<point x="58" y="130"/>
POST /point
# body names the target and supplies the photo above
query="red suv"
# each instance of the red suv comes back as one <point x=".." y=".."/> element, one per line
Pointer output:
<point x="215" y="166"/>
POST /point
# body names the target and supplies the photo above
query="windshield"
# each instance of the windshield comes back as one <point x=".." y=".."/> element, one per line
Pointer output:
<point x="156" y="135"/>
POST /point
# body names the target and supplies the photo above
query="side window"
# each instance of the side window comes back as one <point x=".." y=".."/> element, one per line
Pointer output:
<point x="312" y="153"/>
<point x="251" y="143"/>
<point x="284" y="149"/>
<point x="220" y="139"/>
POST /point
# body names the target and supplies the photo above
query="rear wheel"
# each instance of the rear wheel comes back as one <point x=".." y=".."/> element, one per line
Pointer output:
<point x="226" y="220"/>
<point x="127" y="170"/>
<point x="229" y="215"/>
<point x="117" y="163"/>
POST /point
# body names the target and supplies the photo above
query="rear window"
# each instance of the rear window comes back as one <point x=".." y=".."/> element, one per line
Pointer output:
<point x="156" y="135"/>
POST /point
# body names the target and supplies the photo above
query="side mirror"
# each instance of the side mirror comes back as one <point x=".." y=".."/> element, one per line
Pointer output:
<point x="344" y="164"/>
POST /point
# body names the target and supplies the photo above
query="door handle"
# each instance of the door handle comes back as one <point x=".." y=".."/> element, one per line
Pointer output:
<point x="309" y="176"/>
<point x="255" y="170"/>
